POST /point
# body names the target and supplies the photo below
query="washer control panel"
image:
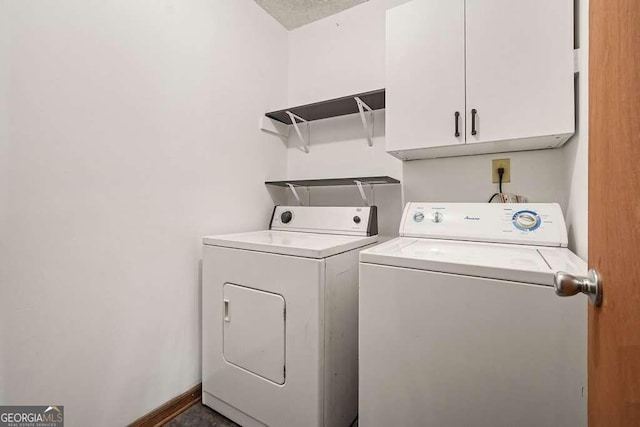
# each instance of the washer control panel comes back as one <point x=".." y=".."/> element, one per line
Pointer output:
<point x="523" y="223"/>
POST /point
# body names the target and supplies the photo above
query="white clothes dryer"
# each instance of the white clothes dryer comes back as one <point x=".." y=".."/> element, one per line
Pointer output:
<point x="280" y="318"/>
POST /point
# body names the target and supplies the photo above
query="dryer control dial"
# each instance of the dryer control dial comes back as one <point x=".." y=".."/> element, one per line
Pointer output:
<point x="437" y="217"/>
<point x="526" y="220"/>
<point x="286" y="217"/>
<point x="418" y="217"/>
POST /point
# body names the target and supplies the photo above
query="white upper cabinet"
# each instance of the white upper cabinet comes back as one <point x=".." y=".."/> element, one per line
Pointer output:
<point x="505" y="65"/>
<point x="519" y="68"/>
<point x="425" y="74"/>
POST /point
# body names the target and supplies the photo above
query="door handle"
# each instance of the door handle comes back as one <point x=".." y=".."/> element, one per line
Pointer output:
<point x="567" y="285"/>
<point x="457" y="116"/>
<point x="473" y="122"/>
<point x="226" y="311"/>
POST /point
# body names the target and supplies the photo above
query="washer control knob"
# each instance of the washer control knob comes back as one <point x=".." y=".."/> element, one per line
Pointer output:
<point x="356" y="219"/>
<point x="526" y="220"/>
<point x="286" y="217"/>
<point x="418" y="217"/>
<point x="437" y="217"/>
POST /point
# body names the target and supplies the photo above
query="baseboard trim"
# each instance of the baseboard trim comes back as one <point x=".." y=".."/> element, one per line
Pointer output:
<point x="168" y="411"/>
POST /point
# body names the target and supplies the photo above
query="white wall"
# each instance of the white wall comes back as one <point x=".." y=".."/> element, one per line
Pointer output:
<point x="4" y="184"/>
<point x="4" y="123"/>
<point x="535" y="174"/>
<point x="339" y="149"/>
<point x="576" y="151"/>
<point x="345" y="54"/>
<point x="131" y="134"/>
<point x="339" y="55"/>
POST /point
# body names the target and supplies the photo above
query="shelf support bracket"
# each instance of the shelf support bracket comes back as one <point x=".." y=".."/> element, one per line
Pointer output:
<point x="295" y="193"/>
<point x="368" y="129"/>
<point x="294" y="121"/>
<point x="362" y="193"/>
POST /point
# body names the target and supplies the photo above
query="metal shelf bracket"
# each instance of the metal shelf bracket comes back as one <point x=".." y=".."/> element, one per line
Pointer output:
<point x="295" y="193"/>
<point x="295" y="120"/>
<point x="368" y="127"/>
<point x="360" y="185"/>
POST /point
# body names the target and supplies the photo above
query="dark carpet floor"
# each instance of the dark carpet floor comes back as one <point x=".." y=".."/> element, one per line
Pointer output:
<point x="200" y="415"/>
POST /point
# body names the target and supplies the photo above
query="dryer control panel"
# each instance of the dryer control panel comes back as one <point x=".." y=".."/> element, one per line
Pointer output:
<point x="539" y="224"/>
<point x="352" y="221"/>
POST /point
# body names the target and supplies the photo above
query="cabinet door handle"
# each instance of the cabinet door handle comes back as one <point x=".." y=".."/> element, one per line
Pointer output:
<point x="457" y="116"/>
<point x="473" y="121"/>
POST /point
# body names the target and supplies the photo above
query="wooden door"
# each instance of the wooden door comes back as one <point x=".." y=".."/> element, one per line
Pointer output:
<point x="425" y="74"/>
<point x="519" y="69"/>
<point x="614" y="211"/>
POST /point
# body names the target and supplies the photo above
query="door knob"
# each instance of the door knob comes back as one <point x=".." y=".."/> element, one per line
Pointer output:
<point x="567" y="285"/>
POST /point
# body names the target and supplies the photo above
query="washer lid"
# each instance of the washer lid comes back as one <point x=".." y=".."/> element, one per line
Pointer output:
<point x="528" y="264"/>
<point x="308" y="245"/>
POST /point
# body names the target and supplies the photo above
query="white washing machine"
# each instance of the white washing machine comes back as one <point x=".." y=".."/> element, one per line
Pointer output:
<point x="280" y="318"/>
<point x="460" y="325"/>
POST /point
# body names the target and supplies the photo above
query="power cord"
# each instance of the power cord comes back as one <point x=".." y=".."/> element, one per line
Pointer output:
<point x="500" y="176"/>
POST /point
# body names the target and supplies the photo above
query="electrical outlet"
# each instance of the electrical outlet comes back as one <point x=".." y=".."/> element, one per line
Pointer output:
<point x="501" y="163"/>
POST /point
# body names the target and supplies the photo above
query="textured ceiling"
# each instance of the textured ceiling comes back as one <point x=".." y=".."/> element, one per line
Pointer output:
<point x="296" y="13"/>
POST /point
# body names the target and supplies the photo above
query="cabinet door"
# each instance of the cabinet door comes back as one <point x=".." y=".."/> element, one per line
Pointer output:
<point x="425" y="74"/>
<point x="519" y="66"/>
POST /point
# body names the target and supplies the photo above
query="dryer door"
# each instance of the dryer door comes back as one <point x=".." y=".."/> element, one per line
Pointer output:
<point x="253" y="331"/>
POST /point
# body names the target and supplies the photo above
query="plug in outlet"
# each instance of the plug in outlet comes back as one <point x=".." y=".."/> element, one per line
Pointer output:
<point x="501" y="163"/>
